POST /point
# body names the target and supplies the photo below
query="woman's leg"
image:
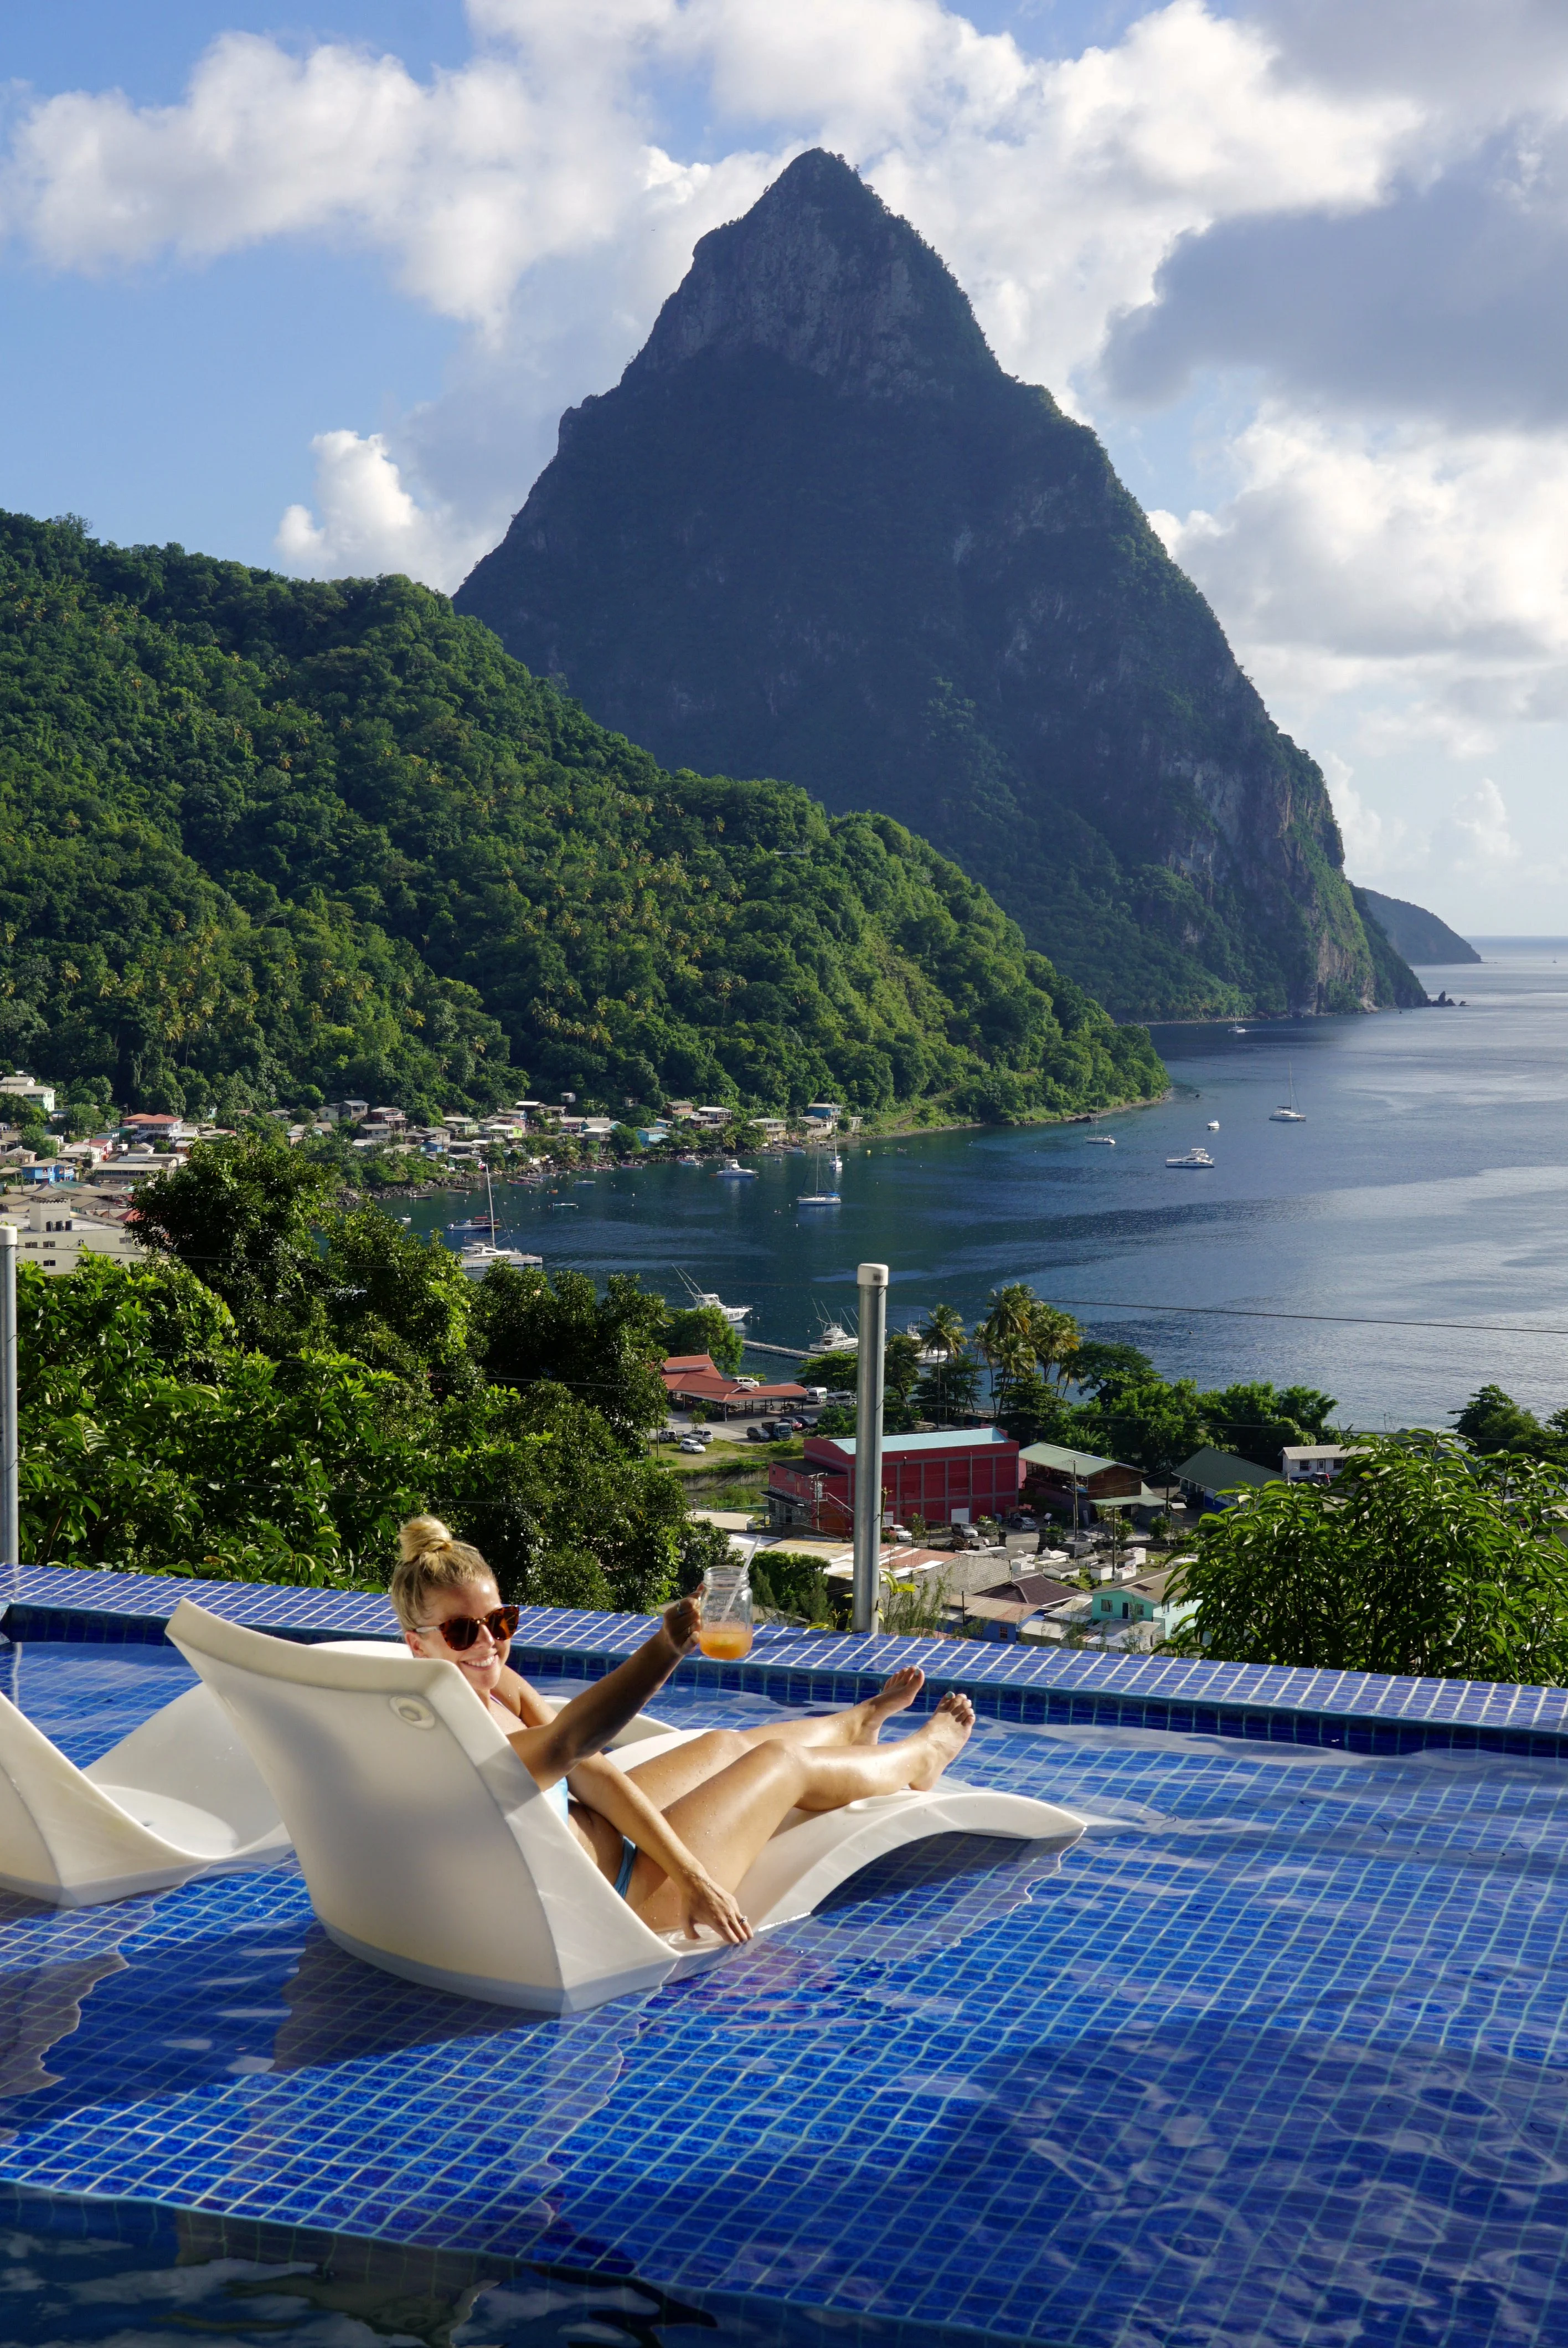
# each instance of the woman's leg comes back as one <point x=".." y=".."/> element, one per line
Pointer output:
<point x="687" y="1766"/>
<point x="725" y="1821"/>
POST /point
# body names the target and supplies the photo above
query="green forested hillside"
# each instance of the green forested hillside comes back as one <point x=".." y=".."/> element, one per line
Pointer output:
<point x="265" y="841"/>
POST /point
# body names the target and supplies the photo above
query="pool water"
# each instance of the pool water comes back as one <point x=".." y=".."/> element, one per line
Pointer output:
<point x="1277" y="2053"/>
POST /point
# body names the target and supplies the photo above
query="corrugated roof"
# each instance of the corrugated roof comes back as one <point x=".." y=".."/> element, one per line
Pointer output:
<point x="953" y="1439"/>
<point x="1217" y="1472"/>
<point x="1085" y="1463"/>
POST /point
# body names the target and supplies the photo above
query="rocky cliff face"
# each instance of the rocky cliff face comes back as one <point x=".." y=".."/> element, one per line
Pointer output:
<point x="816" y="532"/>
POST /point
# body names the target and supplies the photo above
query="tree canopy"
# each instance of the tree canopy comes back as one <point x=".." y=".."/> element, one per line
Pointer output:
<point x="267" y="841"/>
<point x="1423" y="1557"/>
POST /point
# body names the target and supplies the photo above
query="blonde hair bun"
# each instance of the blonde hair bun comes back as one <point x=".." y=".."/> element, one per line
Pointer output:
<point x="419" y="1536"/>
<point x="429" y="1559"/>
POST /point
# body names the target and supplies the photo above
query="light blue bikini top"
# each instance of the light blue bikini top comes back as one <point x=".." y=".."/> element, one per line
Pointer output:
<point x="555" y="1796"/>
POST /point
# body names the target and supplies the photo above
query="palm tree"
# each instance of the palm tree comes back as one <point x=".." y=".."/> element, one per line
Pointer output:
<point x="943" y="1333"/>
<point x="1004" y="1331"/>
<point x="1055" y="1337"/>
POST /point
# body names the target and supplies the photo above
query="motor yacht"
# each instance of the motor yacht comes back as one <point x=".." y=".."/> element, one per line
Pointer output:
<point x="733" y="1172"/>
<point x="1099" y="1141"/>
<point x="708" y="1299"/>
<point x="1194" y="1160"/>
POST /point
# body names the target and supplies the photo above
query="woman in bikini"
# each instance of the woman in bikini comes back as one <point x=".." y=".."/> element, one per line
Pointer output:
<point x="675" y="1835"/>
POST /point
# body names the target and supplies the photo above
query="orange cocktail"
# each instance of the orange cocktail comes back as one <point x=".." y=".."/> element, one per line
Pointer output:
<point x="726" y="1641"/>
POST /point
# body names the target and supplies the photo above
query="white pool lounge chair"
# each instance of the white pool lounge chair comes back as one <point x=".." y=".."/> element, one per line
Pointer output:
<point x="177" y="1796"/>
<point x="428" y="1849"/>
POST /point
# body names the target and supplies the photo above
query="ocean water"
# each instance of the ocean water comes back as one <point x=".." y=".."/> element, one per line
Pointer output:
<point x="1403" y="1247"/>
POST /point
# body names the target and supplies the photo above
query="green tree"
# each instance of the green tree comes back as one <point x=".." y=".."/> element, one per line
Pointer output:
<point x="531" y="1327"/>
<point x="1149" y="1422"/>
<point x="1420" y="1559"/>
<point x="398" y="1302"/>
<point x="1493" y="1421"/>
<point x="1255" y="1421"/>
<point x="1102" y="1363"/>
<point x="702" y="1329"/>
<point x="1054" y="1338"/>
<point x="152" y="1439"/>
<point x="242" y="1215"/>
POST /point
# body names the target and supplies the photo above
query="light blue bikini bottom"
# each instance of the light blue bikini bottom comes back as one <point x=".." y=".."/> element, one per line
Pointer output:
<point x="628" y="1861"/>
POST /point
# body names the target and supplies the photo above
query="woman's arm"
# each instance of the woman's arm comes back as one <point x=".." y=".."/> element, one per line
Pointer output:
<point x="588" y="1723"/>
<point x="600" y="1786"/>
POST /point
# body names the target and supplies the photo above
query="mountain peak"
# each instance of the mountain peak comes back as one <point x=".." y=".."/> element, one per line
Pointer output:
<point x="822" y="274"/>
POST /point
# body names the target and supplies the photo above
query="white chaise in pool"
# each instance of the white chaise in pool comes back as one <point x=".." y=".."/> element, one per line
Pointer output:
<point x="177" y="1797"/>
<point x="428" y="1849"/>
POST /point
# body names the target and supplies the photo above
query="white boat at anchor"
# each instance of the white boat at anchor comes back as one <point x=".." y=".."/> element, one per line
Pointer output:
<point x="1195" y="1161"/>
<point x="1099" y="1141"/>
<point x="819" y="1199"/>
<point x="709" y="1300"/>
<point x="477" y="1258"/>
<point x="733" y="1172"/>
<point x="1289" y="1114"/>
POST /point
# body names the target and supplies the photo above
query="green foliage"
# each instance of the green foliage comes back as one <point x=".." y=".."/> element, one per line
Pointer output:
<point x="1421" y="1558"/>
<point x="837" y="1371"/>
<point x="242" y="1215"/>
<point x="530" y="1326"/>
<point x="702" y="1329"/>
<point x="1256" y="1421"/>
<point x="152" y="1438"/>
<point x="792" y="1582"/>
<point x="270" y="1397"/>
<point x="263" y="838"/>
<point x="912" y="1610"/>
<point x="1491" y="1421"/>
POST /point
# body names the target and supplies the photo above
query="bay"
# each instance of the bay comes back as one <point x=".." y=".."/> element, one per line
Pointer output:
<point x="1428" y="1185"/>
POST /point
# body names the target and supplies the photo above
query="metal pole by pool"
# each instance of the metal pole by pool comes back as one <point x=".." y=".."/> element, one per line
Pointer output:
<point x="10" y="1525"/>
<point x="872" y="1282"/>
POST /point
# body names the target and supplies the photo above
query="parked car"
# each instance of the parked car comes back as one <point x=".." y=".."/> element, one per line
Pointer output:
<point x="690" y="1443"/>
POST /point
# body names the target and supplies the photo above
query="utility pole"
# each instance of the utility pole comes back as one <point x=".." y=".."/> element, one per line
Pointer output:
<point x="872" y="1282"/>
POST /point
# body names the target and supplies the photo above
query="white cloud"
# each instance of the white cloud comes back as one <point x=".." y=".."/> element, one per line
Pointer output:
<point x="1476" y="834"/>
<point x="371" y="523"/>
<point x="1375" y="844"/>
<point x="1431" y="566"/>
<point x="1257" y="190"/>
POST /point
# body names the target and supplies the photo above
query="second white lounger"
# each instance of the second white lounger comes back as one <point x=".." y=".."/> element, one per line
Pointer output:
<point x="428" y="1849"/>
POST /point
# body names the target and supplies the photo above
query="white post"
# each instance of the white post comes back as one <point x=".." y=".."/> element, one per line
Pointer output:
<point x="10" y="1445"/>
<point x="872" y="1282"/>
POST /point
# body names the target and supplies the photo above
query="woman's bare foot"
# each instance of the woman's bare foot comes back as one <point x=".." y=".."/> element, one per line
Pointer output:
<point x="897" y="1695"/>
<point x="941" y="1740"/>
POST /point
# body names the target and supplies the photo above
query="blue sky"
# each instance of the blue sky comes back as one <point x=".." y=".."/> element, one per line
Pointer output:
<point x="313" y="291"/>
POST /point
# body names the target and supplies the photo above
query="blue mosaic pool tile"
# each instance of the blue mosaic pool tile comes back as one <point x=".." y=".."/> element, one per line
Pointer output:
<point x="1278" y="2054"/>
<point x="1005" y="1682"/>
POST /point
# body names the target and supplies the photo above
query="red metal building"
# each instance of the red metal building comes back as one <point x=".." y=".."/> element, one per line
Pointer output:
<point x="946" y="1478"/>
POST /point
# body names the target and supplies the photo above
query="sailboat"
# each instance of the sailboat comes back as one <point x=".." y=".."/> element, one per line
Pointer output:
<point x="479" y="1255"/>
<point x="820" y="1197"/>
<point x="1289" y="1114"/>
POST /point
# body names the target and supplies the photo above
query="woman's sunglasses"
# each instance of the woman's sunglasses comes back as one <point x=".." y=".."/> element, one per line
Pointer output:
<point x="461" y="1630"/>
